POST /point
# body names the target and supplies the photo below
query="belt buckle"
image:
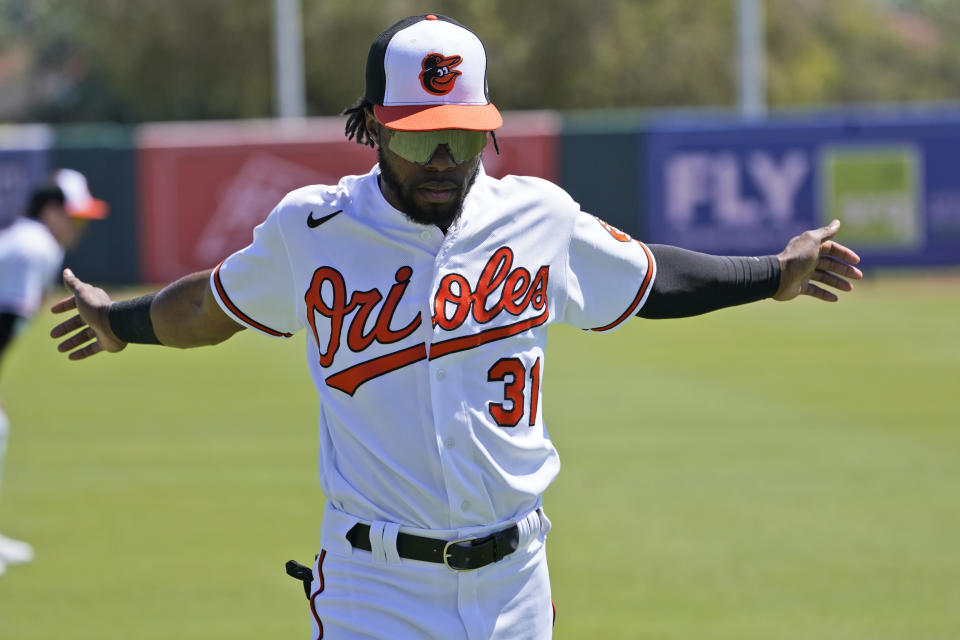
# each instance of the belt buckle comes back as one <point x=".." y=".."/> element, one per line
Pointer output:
<point x="446" y="554"/>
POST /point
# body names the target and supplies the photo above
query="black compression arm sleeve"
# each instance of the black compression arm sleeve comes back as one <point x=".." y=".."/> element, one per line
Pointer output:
<point x="690" y="283"/>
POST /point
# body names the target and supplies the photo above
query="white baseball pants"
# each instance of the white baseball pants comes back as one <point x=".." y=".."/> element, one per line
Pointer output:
<point x="377" y="594"/>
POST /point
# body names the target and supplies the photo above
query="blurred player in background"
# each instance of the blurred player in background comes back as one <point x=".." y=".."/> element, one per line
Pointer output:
<point x="31" y="254"/>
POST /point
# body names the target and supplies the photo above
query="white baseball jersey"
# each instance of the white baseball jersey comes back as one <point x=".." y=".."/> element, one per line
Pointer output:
<point x="427" y="350"/>
<point x="30" y="259"/>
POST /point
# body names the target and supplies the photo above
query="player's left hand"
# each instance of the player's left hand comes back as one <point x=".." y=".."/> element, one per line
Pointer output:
<point x="814" y="257"/>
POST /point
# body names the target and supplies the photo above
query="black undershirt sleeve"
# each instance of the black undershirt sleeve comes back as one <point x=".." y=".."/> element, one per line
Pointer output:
<point x="690" y="283"/>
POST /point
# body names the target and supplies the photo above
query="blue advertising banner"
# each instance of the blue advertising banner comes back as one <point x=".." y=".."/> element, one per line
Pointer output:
<point x="24" y="163"/>
<point x="728" y="186"/>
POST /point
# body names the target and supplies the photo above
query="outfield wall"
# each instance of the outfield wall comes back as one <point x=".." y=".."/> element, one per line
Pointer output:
<point x="185" y="195"/>
<point x="108" y="251"/>
<point x="203" y="187"/>
<point x="24" y="161"/>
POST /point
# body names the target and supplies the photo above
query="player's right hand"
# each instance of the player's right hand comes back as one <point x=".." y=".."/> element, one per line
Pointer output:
<point x="90" y="323"/>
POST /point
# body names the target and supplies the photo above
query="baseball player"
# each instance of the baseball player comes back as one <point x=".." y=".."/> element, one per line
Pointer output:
<point x="425" y="288"/>
<point x="31" y="254"/>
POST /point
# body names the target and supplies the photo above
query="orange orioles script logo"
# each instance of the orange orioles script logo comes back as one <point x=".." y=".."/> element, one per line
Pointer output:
<point x="500" y="288"/>
<point x="455" y="299"/>
<point x="438" y="75"/>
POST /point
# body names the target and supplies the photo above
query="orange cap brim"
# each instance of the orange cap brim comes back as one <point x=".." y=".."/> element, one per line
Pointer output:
<point x="482" y="117"/>
<point x="97" y="210"/>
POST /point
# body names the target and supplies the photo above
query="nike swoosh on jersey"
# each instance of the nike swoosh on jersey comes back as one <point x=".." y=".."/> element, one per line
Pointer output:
<point x="313" y="223"/>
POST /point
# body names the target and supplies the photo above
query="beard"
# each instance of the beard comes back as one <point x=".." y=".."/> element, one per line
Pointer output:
<point x="441" y="215"/>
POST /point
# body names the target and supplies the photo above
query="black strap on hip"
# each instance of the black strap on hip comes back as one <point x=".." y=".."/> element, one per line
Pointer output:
<point x="302" y="573"/>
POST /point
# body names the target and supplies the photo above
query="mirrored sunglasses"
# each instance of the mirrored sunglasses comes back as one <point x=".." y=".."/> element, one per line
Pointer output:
<point x="419" y="146"/>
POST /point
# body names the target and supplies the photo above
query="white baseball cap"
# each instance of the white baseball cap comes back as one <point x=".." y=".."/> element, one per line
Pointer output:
<point x="77" y="199"/>
<point x="429" y="72"/>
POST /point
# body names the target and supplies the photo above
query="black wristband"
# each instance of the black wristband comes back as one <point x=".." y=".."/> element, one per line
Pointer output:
<point x="130" y="320"/>
<point x="690" y="283"/>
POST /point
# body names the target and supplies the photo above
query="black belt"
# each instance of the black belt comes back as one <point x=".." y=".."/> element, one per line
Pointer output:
<point x="460" y="555"/>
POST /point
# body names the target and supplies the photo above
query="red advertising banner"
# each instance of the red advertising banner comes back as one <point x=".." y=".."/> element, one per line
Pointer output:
<point x="205" y="186"/>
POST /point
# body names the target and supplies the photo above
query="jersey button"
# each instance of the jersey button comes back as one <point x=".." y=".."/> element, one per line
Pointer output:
<point x="464" y="506"/>
<point x="425" y="235"/>
<point x="441" y="374"/>
<point x="449" y="443"/>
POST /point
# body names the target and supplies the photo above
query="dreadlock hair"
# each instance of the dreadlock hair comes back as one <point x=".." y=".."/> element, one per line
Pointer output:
<point x="356" y="128"/>
<point x="40" y="197"/>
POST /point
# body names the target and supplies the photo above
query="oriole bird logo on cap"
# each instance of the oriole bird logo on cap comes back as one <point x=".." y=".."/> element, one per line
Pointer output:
<point x="438" y="75"/>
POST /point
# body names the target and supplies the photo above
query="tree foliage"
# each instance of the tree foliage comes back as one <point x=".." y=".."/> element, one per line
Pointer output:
<point x="137" y="60"/>
<point x="859" y="51"/>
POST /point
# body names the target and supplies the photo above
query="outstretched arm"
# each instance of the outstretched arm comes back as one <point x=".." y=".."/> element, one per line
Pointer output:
<point x="183" y="314"/>
<point x="690" y="283"/>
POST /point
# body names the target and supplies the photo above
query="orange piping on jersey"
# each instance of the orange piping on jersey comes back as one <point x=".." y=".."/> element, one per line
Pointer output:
<point x="446" y="347"/>
<point x="640" y="294"/>
<point x="313" y="606"/>
<point x="351" y="378"/>
<point x="236" y="311"/>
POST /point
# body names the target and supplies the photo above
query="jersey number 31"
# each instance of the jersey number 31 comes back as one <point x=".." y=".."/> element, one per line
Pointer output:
<point x="513" y="375"/>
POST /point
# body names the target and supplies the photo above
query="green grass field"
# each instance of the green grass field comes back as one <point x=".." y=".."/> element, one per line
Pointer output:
<point x="776" y="471"/>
